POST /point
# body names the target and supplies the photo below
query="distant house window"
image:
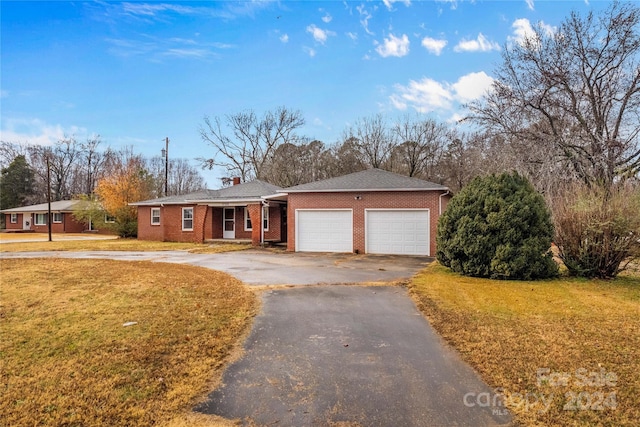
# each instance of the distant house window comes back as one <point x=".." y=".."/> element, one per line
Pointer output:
<point x="57" y="217"/>
<point x="41" y="219"/>
<point x="14" y="218"/>
<point x="187" y="219"/>
<point x="155" y="216"/>
<point x="109" y="219"/>
<point x="265" y="219"/>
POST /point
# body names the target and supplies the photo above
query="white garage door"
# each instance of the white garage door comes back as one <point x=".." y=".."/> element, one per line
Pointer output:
<point x="324" y="230"/>
<point x="402" y="232"/>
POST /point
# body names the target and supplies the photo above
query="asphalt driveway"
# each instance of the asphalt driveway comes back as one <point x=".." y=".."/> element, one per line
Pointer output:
<point x="365" y="355"/>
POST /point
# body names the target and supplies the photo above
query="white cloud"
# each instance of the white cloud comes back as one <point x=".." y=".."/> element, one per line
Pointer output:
<point x="530" y="4"/>
<point x="36" y="131"/>
<point x="480" y="44"/>
<point x="471" y="86"/>
<point x="319" y="34"/>
<point x="522" y="29"/>
<point x="364" y="18"/>
<point x="327" y="18"/>
<point x="284" y="38"/>
<point x="352" y="36"/>
<point x="434" y="46"/>
<point x="394" y="46"/>
<point x="428" y="95"/>
<point x="310" y="51"/>
<point x="424" y="96"/>
<point x="389" y="3"/>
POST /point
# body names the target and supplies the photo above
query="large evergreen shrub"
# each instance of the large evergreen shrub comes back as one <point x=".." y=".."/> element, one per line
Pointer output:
<point x="497" y="227"/>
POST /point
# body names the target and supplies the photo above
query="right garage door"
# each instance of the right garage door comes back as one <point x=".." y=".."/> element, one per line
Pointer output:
<point x="401" y="232"/>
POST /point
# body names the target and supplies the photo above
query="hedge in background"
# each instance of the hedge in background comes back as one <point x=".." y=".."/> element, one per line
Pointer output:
<point x="497" y="227"/>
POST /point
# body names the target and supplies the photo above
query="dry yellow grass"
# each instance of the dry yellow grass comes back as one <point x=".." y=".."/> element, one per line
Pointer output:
<point x="507" y="330"/>
<point x="119" y="245"/>
<point x="67" y="359"/>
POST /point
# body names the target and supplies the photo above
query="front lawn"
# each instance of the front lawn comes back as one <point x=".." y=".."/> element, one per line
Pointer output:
<point x="118" y="244"/>
<point x="561" y="352"/>
<point x="67" y="358"/>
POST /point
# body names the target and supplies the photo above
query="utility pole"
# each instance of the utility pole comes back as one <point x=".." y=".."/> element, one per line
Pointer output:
<point x="165" y="154"/>
<point x="48" y="196"/>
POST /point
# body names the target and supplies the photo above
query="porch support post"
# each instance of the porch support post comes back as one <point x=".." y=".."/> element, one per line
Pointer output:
<point x="199" y="221"/>
<point x="255" y="214"/>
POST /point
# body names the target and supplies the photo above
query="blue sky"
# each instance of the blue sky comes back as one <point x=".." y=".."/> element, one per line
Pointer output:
<point x="137" y="72"/>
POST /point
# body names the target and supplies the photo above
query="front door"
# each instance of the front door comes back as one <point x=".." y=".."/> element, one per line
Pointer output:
<point x="229" y="223"/>
<point x="26" y="221"/>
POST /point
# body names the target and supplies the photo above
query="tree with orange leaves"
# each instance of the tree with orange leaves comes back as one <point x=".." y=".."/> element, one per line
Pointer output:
<point x="128" y="182"/>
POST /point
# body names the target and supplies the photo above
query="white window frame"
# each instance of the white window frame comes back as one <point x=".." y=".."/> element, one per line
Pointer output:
<point x="109" y="219"/>
<point x="247" y="219"/>
<point x="14" y="218"/>
<point x="154" y="217"/>
<point x="57" y="215"/>
<point x="184" y="219"/>
<point x="40" y="219"/>
<point x="265" y="218"/>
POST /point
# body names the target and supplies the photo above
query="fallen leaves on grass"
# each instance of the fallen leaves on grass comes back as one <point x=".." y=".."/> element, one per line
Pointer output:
<point x="67" y="359"/>
<point x="508" y="331"/>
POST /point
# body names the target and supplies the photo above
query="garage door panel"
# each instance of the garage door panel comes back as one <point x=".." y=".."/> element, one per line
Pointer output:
<point x="402" y="232"/>
<point x="324" y="231"/>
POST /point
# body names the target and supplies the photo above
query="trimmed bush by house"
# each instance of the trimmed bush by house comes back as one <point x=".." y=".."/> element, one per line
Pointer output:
<point x="497" y="227"/>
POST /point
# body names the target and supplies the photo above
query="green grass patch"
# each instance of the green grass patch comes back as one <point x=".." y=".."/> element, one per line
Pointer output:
<point x="508" y="330"/>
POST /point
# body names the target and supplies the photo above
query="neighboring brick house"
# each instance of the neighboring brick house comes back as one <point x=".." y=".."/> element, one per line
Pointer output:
<point x="35" y="218"/>
<point x="372" y="211"/>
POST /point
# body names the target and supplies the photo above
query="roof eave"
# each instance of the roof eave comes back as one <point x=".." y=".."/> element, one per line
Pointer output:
<point x="357" y="190"/>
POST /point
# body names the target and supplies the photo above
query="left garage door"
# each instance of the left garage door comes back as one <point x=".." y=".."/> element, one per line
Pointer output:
<point x="324" y="230"/>
<point x="399" y="232"/>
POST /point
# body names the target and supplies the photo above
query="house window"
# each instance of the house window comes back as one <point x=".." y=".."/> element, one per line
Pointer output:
<point x="265" y="219"/>
<point x="57" y="217"/>
<point x="155" y="216"/>
<point x="14" y="218"/>
<point x="109" y="219"/>
<point x="247" y="220"/>
<point x="41" y="219"/>
<point x="187" y="219"/>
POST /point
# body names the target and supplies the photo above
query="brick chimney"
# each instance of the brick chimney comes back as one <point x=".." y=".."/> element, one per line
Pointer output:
<point x="236" y="180"/>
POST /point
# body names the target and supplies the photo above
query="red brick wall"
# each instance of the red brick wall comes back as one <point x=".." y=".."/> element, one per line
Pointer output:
<point x="146" y="231"/>
<point x="9" y="225"/>
<point x="68" y="224"/>
<point x="207" y="224"/>
<point x="369" y="200"/>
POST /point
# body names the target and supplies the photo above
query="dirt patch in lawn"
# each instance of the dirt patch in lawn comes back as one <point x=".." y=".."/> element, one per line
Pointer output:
<point x="561" y="352"/>
<point x="67" y="358"/>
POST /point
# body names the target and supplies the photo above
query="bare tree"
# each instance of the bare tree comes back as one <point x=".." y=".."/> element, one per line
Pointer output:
<point x="244" y="143"/>
<point x="373" y="139"/>
<point x="183" y="176"/>
<point x="421" y="147"/>
<point x="575" y="93"/>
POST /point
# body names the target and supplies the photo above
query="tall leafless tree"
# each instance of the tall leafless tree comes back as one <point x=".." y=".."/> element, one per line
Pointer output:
<point x="245" y="143"/>
<point x="575" y="93"/>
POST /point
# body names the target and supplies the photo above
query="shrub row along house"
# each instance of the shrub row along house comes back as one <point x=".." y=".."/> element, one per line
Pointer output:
<point x="372" y="211"/>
